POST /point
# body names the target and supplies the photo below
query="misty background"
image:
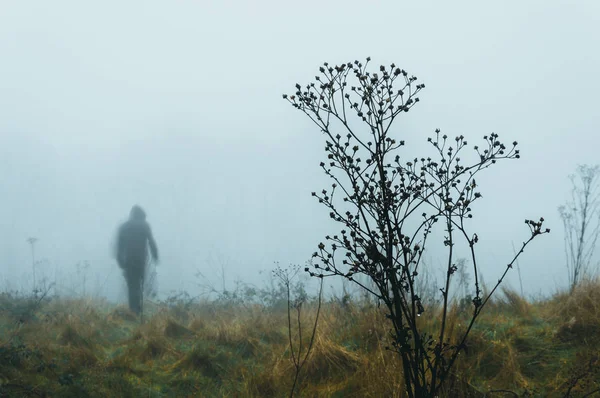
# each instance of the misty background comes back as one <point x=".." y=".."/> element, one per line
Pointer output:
<point x="176" y="106"/>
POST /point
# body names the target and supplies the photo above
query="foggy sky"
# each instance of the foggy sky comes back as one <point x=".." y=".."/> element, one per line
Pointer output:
<point x="177" y="106"/>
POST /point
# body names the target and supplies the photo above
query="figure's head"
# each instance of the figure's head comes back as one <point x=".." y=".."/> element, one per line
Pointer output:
<point x="137" y="213"/>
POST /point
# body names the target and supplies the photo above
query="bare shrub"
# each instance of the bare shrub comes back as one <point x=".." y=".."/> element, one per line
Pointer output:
<point x="388" y="206"/>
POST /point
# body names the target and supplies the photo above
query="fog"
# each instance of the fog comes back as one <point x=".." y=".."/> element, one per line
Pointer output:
<point x="176" y="106"/>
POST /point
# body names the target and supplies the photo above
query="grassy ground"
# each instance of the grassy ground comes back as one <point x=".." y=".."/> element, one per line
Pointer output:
<point x="83" y="348"/>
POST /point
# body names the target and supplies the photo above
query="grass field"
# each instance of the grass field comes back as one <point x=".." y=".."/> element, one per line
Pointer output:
<point x="87" y="348"/>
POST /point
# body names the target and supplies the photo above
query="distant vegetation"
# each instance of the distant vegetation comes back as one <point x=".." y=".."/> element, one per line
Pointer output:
<point x="581" y="223"/>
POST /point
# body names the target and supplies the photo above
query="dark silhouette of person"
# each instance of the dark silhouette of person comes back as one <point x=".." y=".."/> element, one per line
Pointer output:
<point x="133" y="239"/>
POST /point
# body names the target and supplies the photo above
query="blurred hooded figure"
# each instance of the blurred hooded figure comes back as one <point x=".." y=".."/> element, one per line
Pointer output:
<point x="133" y="239"/>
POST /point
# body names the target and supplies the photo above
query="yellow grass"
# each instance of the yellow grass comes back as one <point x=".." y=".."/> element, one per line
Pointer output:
<point x="84" y="348"/>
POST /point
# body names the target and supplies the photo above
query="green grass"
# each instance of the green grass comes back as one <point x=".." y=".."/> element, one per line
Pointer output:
<point x="83" y="348"/>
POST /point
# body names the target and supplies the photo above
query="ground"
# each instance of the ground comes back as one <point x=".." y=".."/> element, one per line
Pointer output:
<point x="89" y="348"/>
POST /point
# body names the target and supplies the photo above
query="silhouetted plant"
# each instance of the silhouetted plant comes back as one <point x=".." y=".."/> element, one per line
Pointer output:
<point x="274" y="294"/>
<point x="296" y="301"/>
<point x="389" y="206"/>
<point x="581" y="222"/>
<point x="82" y="274"/>
<point x="31" y="241"/>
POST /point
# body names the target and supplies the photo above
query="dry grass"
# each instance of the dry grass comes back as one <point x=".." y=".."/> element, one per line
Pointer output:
<point x="85" y="348"/>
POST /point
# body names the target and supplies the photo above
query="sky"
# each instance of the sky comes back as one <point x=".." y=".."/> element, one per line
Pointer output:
<point x="176" y="106"/>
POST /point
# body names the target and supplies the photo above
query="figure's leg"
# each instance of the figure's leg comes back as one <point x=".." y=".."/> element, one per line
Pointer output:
<point x="134" y="287"/>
